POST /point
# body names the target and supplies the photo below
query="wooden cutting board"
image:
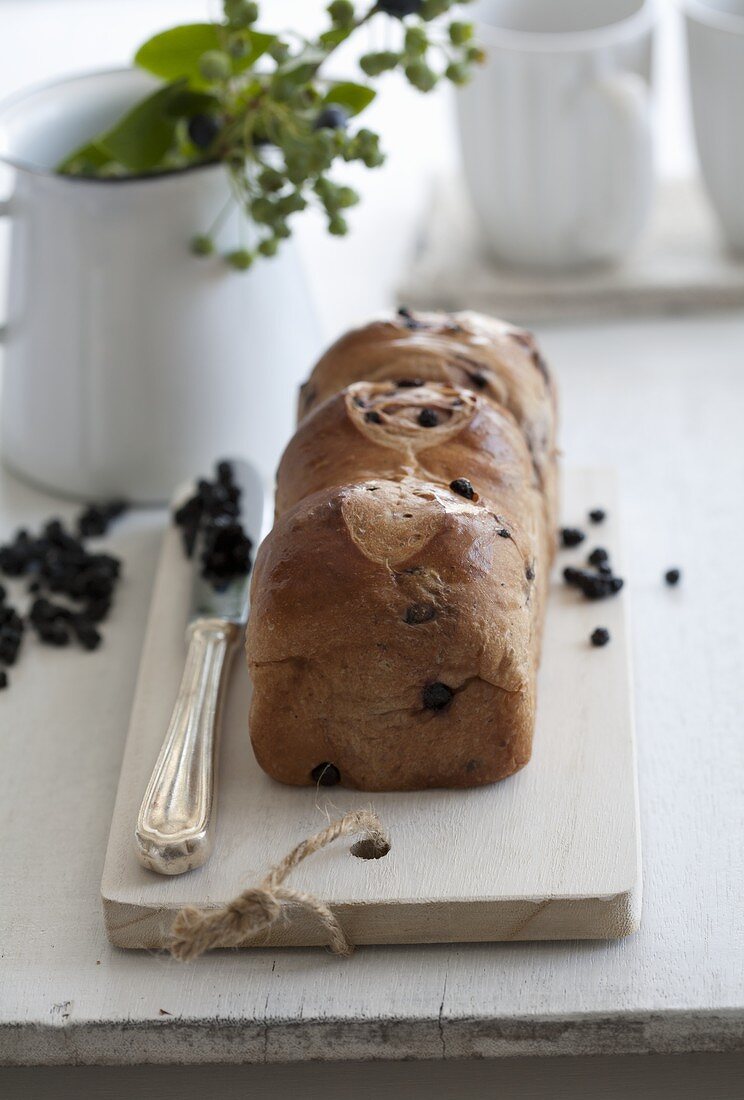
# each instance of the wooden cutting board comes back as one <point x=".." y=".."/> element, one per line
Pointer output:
<point x="551" y="853"/>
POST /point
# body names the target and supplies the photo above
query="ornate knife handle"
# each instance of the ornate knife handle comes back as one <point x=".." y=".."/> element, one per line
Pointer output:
<point x="175" y="826"/>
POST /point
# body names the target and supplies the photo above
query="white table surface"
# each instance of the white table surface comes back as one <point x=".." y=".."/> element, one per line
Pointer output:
<point x="660" y="400"/>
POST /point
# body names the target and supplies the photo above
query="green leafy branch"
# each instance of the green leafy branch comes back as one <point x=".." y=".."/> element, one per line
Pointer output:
<point x="260" y="104"/>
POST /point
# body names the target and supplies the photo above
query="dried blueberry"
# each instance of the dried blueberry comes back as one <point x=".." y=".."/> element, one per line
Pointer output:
<point x="54" y="634"/>
<point x="504" y="533"/>
<point x="419" y="613"/>
<point x="599" y="587"/>
<point x="189" y="513"/>
<point x="10" y="643"/>
<point x="409" y="383"/>
<point x="12" y="561"/>
<point x="595" y="586"/>
<point x="428" y="418"/>
<point x="86" y="633"/>
<point x="373" y="417"/>
<point x="42" y="610"/>
<point x="97" y="610"/>
<point x="326" y="775"/>
<point x="91" y="585"/>
<point x="605" y="569"/>
<point x="226" y="553"/>
<point x="437" y="695"/>
<point x="673" y="576"/>
<point x="10" y="620"/>
<point x="106" y="565"/>
<point x="225" y="472"/>
<point x="597" y="515"/>
<point x="189" y="536"/>
<point x="97" y="518"/>
<point x="91" y="522"/>
<point x="462" y="486"/>
<point x="54" y="531"/>
<point x="600" y="636"/>
<point x="598" y="556"/>
<point x="571" y="536"/>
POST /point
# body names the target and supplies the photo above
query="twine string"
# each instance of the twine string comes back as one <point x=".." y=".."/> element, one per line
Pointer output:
<point x="195" y="931"/>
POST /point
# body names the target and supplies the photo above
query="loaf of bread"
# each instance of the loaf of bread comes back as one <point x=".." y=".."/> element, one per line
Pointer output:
<point x="397" y="605"/>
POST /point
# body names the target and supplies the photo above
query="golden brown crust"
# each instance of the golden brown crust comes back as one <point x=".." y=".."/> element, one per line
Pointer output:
<point x="499" y="361"/>
<point x="373" y="430"/>
<point x="380" y="580"/>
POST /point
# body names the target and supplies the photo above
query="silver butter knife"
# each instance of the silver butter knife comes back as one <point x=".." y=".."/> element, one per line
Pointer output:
<point x="175" y="826"/>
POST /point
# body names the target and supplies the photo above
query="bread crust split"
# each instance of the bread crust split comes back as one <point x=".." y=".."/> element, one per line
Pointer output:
<point x="397" y="605"/>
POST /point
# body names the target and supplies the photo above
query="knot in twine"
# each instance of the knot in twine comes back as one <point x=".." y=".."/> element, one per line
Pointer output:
<point x="195" y="931"/>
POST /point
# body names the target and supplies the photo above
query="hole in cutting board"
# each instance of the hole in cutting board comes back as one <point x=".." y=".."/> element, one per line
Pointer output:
<point x="370" y="849"/>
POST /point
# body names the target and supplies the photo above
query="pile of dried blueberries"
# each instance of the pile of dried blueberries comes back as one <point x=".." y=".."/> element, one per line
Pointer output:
<point x="599" y="582"/>
<point x="596" y="583"/>
<point x="212" y="517"/>
<point x="57" y="564"/>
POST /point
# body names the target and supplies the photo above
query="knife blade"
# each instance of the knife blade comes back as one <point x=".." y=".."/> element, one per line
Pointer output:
<point x="175" y="824"/>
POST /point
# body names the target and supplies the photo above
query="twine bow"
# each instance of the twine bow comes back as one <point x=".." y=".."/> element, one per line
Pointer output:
<point x="195" y="931"/>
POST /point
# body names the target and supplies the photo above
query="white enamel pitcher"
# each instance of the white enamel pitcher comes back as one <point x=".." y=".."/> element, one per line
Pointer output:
<point x="129" y="364"/>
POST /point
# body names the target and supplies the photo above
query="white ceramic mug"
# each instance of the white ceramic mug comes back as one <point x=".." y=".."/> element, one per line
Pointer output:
<point x="715" y="37"/>
<point x="130" y="364"/>
<point x="555" y="129"/>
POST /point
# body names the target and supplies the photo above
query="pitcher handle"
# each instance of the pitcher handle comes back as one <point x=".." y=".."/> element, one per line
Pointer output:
<point x="626" y="97"/>
<point x="4" y="212"/>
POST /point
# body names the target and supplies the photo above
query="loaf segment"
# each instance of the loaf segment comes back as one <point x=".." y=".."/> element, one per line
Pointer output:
<point x="375" y="429"/>
<point x="364" y="598"/>
<point x="499" y="361"/>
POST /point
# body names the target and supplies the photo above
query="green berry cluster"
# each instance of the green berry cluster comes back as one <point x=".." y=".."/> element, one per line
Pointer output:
<point x="240" y="13"/>
<point x="424" y="56"/>
<point x="279" y="124"/>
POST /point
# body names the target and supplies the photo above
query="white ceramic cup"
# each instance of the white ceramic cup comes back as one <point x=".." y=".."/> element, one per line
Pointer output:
<point x="715" y="38"/>
<point x="555" y="129"/>
<point x="130" y="365"/>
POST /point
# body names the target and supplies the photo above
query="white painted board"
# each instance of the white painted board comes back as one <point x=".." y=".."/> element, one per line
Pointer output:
<point x="551" y="853"/>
